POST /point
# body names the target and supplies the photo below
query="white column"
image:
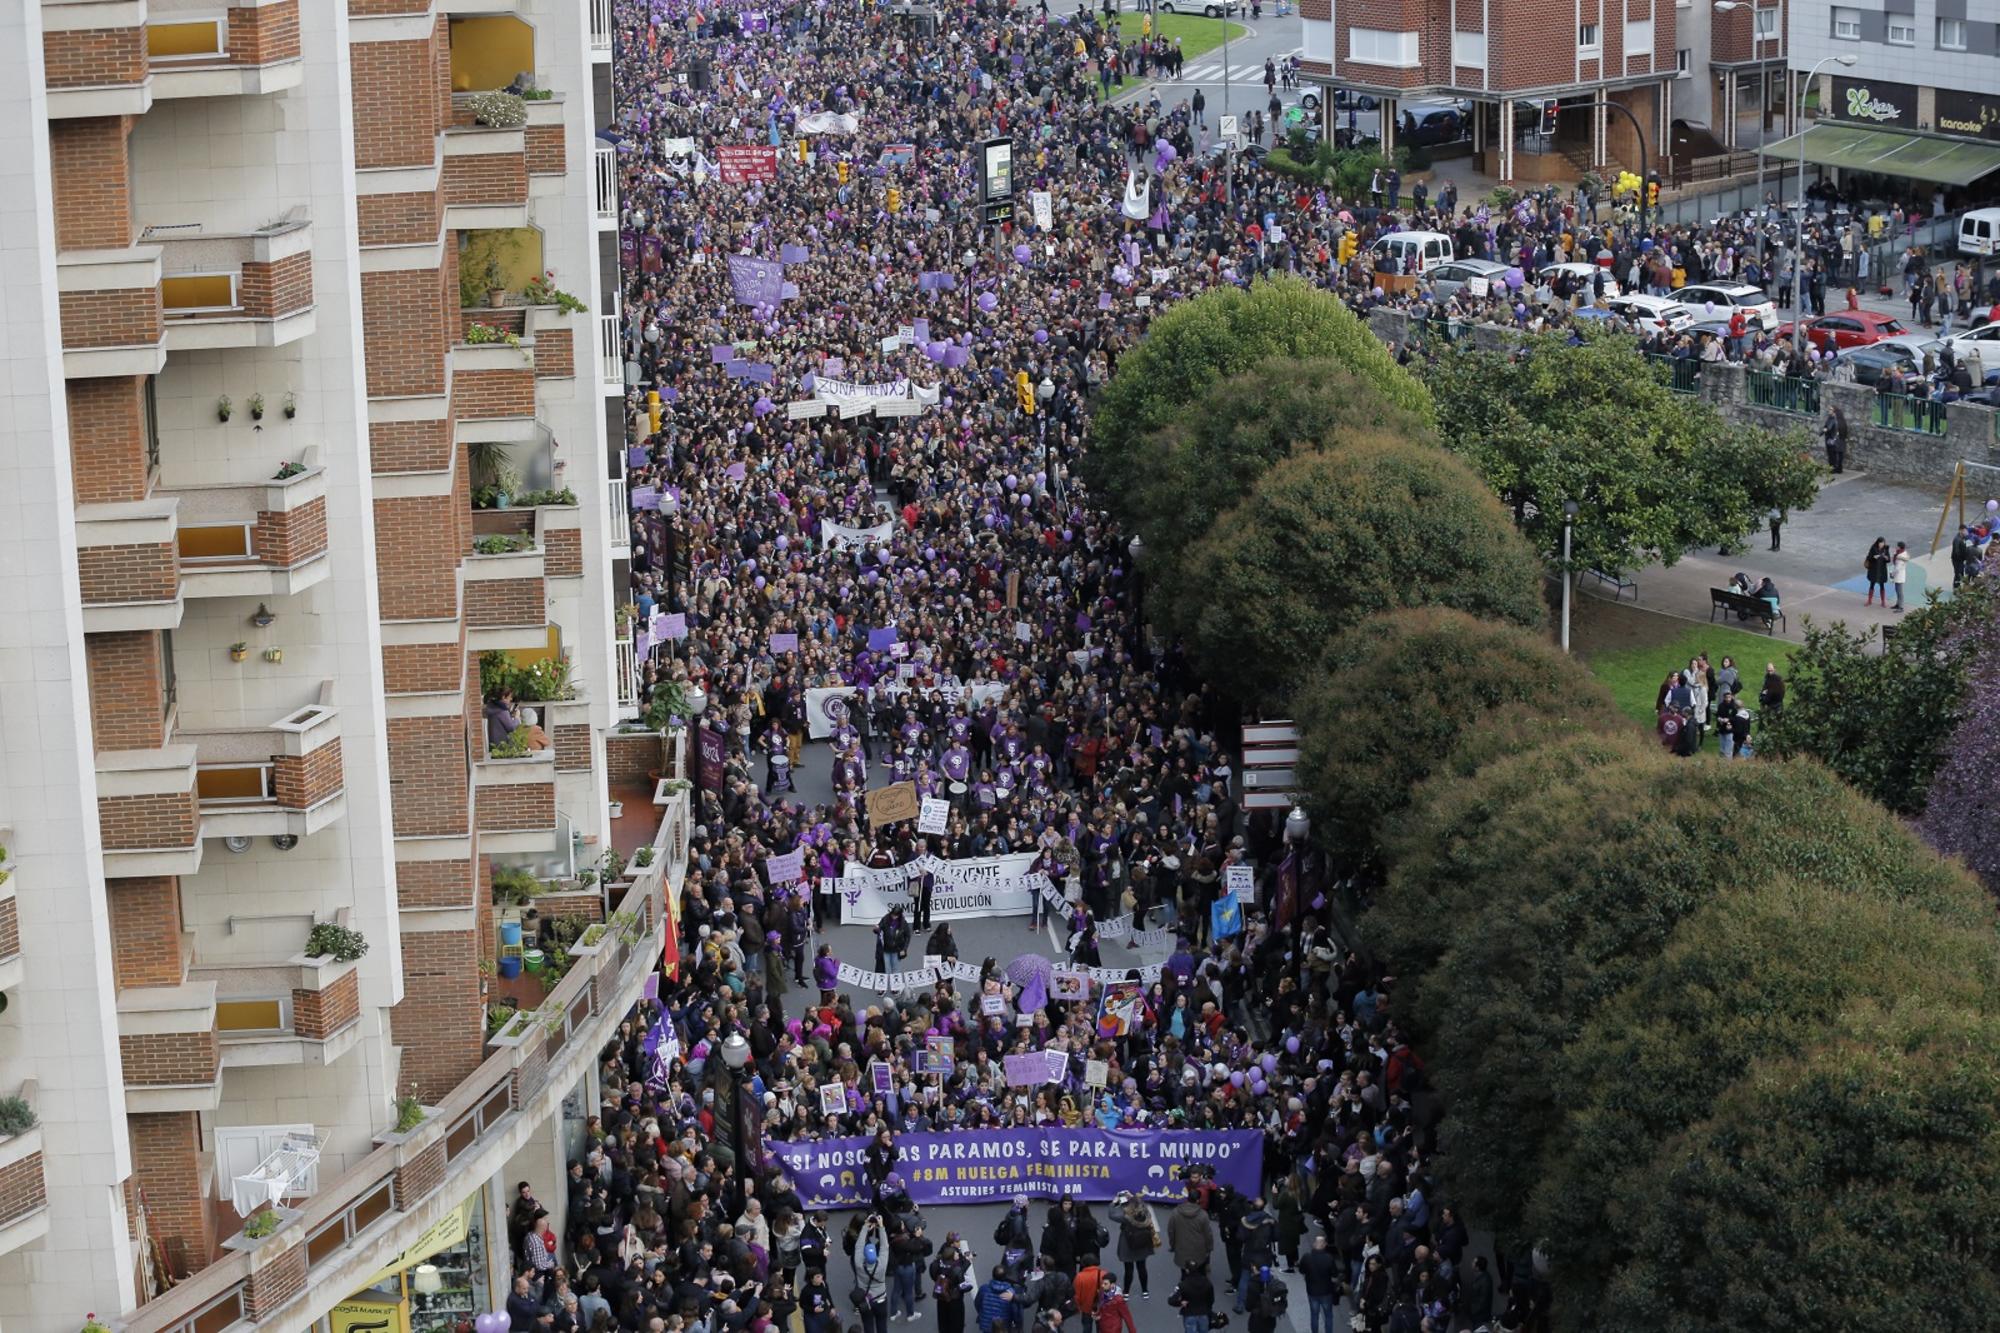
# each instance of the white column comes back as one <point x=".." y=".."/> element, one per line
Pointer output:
<point x="1600" y="144"/>
<point x="1506" y="172"/>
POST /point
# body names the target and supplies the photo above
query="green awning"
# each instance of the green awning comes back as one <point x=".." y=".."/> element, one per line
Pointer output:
<point x="1889" y="153"/>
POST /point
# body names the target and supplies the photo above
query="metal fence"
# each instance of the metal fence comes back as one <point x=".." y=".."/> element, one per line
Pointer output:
<point x="1902" y="411"/>
<point x="1683" y="372"/>
<point x="1783" y="392"/>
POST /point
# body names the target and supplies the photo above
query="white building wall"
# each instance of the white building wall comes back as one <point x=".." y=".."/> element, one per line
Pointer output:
<point x="61" y="1026"/>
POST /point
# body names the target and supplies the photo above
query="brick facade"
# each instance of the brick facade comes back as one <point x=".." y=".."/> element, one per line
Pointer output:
<point x="291" y="537"/>
<point x="141" y="572"/>
<point x="396" y="117"/>
<point x="22" y="1188"/>
<point x="572" y="742"/>
<point x="478" y="395"/>
<point x="260" y="35"/>
<point x="276" y="1282"/>
<point x="127" y="705"/>
<point x="562" y="553"/>
<point x="93" y="182"/>
<point x="547" y="153"/>
<point x="409" y="446"/>
<point x="162" y="822"/>
<point x="318" y="1014"/>
<point x="405" y="353"/>
<point x="429" y="777"/>
<point x="416" y="218"/>
<point x="505" y="603"/>
<point x="420" y="1176"/>
<point x="303" y="781"/>
<point x="486" y="179"/>
<point x="94" y="57"/>
<point x="441" y="1023"/>
<point x="555" y="354"/>
<point x="10" y="928"/>
<point x="170" y="1059"/>
<point x="523" y="806"/>
<point x="418" y="540"/>
<point x="166" y="1164"/>
<point x="145" y="931"/>
<point x="629" y="757"/>
<point x="280" y="287"/>
<point x="422" y="668"/>
<point x="435" y="884"/>
<point x="113" y="317"/>
<point x="107" y="438"/>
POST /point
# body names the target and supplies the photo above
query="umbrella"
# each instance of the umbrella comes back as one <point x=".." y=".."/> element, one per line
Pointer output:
<point x="1029" y="967"/>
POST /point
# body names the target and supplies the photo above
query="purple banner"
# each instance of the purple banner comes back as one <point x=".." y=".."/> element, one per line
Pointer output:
<point x="756" y="281"/>
<point x="992" y="1166"/>
<point x="881" y="640"/>
<point x="793" y="254"/>
<point x="711" y="752"/>
<point x="637" y="456"/>
<point x="721" y="354"/>
<point x="784" y="642"/>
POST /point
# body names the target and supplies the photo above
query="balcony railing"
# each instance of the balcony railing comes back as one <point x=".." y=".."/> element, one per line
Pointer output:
<point x="606" y="158"/>
<point x="611" y="349"/>
<point x="628" y="674"/>
<point x="380" y="1205"/>
<point x="24" y="1203"/>
<point x="621" y="516"/>
<point x="600" y="25"/>
<point x="1899" y="411"/>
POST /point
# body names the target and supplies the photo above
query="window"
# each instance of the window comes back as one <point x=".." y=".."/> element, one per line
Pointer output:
<point x="1902" y="30"/>
<point x="1767" y="24"/>
<point x="1586" y="37"/>
<point x="1378" y="46"/>
<point x="1684" y="63"/>
<point x="1951" y="34"/>
<point x="1847" y="24"/>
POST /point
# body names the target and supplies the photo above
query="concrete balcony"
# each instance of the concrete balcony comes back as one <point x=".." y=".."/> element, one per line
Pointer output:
<point x="167" y="1043"/>
<point x="485" y="177"/>
<point x="261" y="539"/>
<point x="147" y="813"/>
<point x="249" y="49"/>
<point x="303" y="1011"/>
<point x="235" y="289"/>
<point x="280" y="780"/>
<point x="94" y="56"/>
<point x="506" y="598"/>
<point x="514" y="801"/>
<point x="24" y="1200"/>
<point x="127" y="565"/>
<point x="109" y="301"/>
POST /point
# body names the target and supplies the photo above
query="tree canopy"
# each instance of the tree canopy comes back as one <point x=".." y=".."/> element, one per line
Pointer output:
<point x="1401" y="692"/>
<point x="1191" y="346"/>
<point x="1366" y="524"/>
<point x="1654" y="473"/>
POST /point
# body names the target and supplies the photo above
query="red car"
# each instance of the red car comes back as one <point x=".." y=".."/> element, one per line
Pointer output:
<point x="1847" y="328"/>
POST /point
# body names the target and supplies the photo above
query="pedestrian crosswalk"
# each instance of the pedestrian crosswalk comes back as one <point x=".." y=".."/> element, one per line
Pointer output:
<point x="1211" y="71"/>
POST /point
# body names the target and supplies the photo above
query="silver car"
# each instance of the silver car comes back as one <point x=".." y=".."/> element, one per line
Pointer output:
<point x="1448" y="278"/>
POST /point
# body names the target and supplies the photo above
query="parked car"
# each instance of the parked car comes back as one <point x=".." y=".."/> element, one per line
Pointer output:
<point x="1580" y="271"/>
<point x="1981" y="338"/>
<point x="1434" y="123"/>
<point x="1846" y="328"/>
<point x="1412" y="251"/>
<point x="1213" y="8"/>
<point x="1724" y="296"/>
<point x="1871" y="361"/>
<point x="1448" y="278"/>
<point x="1652" y="311"/>
<point x="1979" y="232"/>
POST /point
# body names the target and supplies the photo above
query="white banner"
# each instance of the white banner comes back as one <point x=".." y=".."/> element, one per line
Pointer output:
<point x="828" y="706"/>
<point x="829" y="122"/>
<point x="1044" y="205"/>
<point x="840" y="537"/>
<point x="1138" y="197"/>
<point x="849" y="391"/>
<point x="982" y="886"/>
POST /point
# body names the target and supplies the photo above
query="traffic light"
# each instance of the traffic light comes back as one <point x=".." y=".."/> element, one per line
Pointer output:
<point x="1549" y="118"/>
<point x="1024" y="390"/>
<point x="840" y="172"/>
<point x="652" y="412"/>
<point x="1348" y="246"/>
<point x="1653" y="192"/>
<point x="895" y="200"/>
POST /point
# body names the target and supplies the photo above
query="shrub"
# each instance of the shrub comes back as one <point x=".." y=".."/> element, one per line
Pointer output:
<point x="16" y="1116"/>
<point x="513" y="886"/>
<point x="337" y="941"/>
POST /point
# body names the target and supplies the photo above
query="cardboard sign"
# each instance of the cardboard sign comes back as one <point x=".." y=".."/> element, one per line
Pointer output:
<point x="936" y="812"/>
<point x="1069" y="986"/>
<point x="887" y="805"/>
<point x="938" y="1057"/>
<point x="1096" y="1073"/>
<point x="881" y="1077"/>
<point x="832" y="1099"/>
<point x="993" y="1006"/>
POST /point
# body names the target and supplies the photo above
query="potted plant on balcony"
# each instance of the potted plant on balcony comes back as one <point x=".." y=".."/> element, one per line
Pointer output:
<point x="223" y="407"/>
<point x="274" y="655"/>
<point x="331" y="940"/>
<point x="291" y="407"/>
<point x="239" y="651"/>
<point x="16" y="1116"/>
<point x="256" y="405"/>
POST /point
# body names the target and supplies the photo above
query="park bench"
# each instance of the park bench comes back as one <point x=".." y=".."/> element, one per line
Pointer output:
<point x="1617" y="581"/>
<point x="1746" y="608"/>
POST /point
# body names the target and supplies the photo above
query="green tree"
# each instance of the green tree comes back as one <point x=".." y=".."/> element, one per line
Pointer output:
<point x="1855" y="1186"/>
<point x="1882" y="720"/>
<point x="1326" y="538"/>
<point x="1752" y="976"/>
<point x="1655" y="473"/>
<point x="1523" y="900"/>
<point x="1218" y="334"/>
<point x="1212" y="453"/>
<point x="1398" y="694"/>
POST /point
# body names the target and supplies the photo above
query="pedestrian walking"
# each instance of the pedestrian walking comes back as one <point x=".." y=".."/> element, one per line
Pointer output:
<point x="1876" y="566"/>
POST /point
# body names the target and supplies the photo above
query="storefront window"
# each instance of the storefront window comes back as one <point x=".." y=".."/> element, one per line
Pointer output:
<point x="435" y="1286"/>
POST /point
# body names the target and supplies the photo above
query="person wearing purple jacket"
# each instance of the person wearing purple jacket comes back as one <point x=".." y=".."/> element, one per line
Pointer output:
<point x="826" y="974"/>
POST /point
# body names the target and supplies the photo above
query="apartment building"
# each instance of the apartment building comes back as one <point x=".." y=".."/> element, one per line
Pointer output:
<point x="297" y="431"/>
<point x="1920" y="101"/>
<point x="1506" y="57"/>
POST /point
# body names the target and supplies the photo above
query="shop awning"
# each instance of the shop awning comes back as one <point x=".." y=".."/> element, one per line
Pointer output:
<point x="1889" y="153"/>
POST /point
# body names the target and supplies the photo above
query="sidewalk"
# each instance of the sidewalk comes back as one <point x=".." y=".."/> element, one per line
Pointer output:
<point x="1818" y="569"/>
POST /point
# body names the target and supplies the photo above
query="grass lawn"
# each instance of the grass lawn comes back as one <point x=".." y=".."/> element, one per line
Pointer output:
<point x="1198" y="33"/>
<point x="1633" y="672"/>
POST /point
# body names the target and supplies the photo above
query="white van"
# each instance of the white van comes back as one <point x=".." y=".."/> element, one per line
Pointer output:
<point x="1412" y="251"/>
<point x="1979" y="232"/>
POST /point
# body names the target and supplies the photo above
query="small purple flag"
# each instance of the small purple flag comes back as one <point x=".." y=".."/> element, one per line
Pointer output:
<point x="920" y="329"/>
<point x="735" y="472"/>
<point x="637" y="456"/>
<point x="790" y="292"/>
<point x="834" y="366"/>
<point x="784" y="643"/>
<point x="761" y="372"/>
<point x="879" y="640"/>
<point x="793" y="254"/>
<point x="671" y="394"/>
<point x="1104" y="300"/>
<point x="652" y="987"/>
<point x="721" y="354"/>
<point x="646" y="497"/>
<point x="736" y="368"/>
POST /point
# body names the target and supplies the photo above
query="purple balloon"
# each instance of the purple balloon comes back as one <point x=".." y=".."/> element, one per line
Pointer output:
<point x="759" y="581"/>
<point x="1515" y="278"/>
<point x="1236" y="1078"/>
<point x="763" y="407"/>
<point x="988" y="301"/>
<point x="1022" y="254"/>
<point x="494" y="1322"/>
<point x="1292" y="1045"/>
<point x="1270" y="1064"/>
<point x="1041" y="335"/>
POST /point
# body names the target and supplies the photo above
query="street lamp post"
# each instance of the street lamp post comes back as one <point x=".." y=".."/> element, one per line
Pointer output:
<point x="1799" y="203"/>
<point x="1569" y="522"/>
<point x="1043" y="393"/>
<point x="735" y="1055"/>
